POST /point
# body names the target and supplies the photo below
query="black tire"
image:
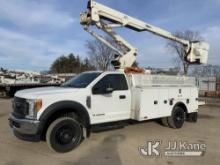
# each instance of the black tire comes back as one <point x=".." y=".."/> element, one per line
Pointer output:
<point x="64" y="134"/>
<point x="177" y="119"/>
<point x="164" y="121"/>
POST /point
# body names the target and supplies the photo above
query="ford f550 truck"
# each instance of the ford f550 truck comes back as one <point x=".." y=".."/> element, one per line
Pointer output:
<point x="65" y="115"/>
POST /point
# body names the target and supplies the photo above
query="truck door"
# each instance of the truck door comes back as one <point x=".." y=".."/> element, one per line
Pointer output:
<point x="111" y="99"/>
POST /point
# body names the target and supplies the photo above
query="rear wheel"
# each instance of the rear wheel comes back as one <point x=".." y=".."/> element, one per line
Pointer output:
<point x="64" y="134"/>
<point x="176" y="120"/>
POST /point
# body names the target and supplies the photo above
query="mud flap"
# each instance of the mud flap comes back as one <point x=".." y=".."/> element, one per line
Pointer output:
<point x="192" y="117"/>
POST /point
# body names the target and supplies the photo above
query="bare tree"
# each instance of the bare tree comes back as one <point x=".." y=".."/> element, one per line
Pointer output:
<point x="179" y="49"/>
<point x="177" y="63"/>
<point x="100" y="55"/>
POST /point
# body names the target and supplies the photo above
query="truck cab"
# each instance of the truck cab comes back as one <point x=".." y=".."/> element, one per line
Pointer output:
<point x="89" y="98"/>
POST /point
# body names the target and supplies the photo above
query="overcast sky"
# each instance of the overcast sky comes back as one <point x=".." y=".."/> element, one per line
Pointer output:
<point x="33" y="33"/>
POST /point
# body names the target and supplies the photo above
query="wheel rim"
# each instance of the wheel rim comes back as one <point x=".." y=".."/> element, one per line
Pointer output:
<point x="65" y="135"/>
<point x="179" y="117"/>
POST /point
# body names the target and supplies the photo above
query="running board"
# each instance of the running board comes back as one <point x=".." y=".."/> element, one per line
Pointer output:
<point x="107" y="127"/>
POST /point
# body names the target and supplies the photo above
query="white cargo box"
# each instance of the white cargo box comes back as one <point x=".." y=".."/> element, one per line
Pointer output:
<point x="152" y="95"/>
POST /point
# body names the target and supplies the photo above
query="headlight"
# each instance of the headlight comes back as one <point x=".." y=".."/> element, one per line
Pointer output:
<point x="34" y="107"/>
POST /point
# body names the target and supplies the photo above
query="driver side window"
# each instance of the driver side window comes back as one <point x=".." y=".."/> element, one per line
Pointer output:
<point x="110" y="83"/>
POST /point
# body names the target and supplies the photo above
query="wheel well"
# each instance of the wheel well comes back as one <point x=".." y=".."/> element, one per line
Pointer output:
<point x="182" y="105"/>
<point x="64" y="112"/>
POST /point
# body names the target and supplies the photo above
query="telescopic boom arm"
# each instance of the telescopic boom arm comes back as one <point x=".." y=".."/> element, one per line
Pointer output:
<point x="105" y="19"/>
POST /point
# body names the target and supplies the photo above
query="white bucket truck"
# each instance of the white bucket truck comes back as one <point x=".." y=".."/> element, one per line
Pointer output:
<point x="64" y="115"/>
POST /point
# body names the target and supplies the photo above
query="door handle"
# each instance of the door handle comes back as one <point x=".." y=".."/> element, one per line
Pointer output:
<point x="122" y="97"/>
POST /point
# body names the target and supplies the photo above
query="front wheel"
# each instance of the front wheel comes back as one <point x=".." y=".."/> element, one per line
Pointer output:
<point x="176" y="120"/>
<point x="64" y="134"/>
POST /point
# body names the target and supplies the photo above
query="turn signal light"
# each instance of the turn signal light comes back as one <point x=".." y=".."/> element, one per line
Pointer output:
<point x="38" y="105"/>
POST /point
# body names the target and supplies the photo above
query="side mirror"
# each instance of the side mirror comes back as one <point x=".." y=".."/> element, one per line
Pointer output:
<point x="95" y="90"/>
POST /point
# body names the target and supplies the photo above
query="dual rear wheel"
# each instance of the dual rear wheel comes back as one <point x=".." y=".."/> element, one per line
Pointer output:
<point x="176" y="120"/>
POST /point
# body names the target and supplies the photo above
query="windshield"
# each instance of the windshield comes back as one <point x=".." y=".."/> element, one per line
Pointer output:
<point x="81" y="81"/>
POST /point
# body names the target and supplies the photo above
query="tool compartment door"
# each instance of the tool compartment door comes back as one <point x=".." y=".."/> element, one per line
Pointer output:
<point x="148" y="104"/>
<point x="164" y="108"/>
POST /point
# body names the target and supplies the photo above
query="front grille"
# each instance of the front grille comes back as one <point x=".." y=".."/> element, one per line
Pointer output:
<point x="20" y="107"/>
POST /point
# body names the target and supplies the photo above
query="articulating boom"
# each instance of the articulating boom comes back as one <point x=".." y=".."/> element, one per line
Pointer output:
<point x="106" y="19"/>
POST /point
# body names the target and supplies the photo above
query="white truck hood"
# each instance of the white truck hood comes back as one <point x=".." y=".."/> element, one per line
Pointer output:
<point x="40" y="92"/>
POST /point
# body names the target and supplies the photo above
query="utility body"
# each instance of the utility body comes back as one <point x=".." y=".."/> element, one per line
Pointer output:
<point x="65" y="115"/>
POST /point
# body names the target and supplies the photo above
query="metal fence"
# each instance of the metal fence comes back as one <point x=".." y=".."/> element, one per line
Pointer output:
<point x="209" y="86"/>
